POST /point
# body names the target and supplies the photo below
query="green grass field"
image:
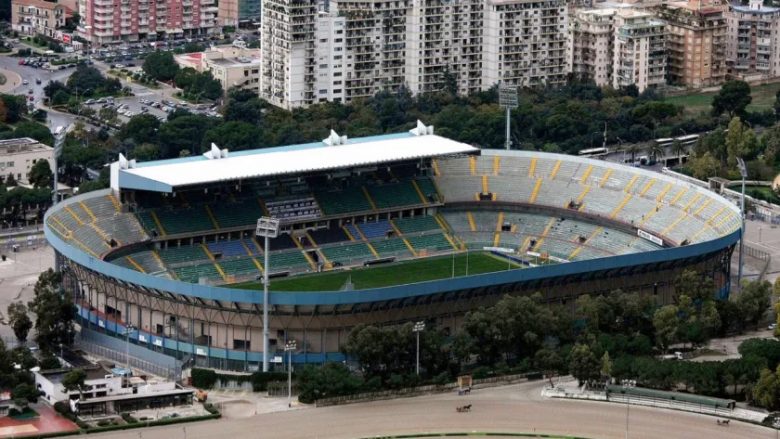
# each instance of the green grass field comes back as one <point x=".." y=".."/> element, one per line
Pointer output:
<point x="695" y="103"/>
<point x="386" y="275"/>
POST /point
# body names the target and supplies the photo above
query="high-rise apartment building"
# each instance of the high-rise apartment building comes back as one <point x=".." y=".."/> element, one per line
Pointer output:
<point x="360" y="47"/>
<point x="106" y="22"/>
<point x="696" y="42"/>
<point x="639" y="50"/>
<point x="753" y="41"/>
<point x="591" y="39"/>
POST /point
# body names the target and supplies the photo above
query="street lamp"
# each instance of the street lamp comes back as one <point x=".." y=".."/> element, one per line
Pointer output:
<point x="743" y="173"/>
<point x="289" y="347"/>
<point x="267" y="227"/>
<point x="418" y="328"/>
<point x="128" y="330"/>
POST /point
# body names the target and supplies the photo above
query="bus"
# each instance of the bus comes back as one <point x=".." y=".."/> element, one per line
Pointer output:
<point x="594" y="152"/>
<point x="688" y="140"/>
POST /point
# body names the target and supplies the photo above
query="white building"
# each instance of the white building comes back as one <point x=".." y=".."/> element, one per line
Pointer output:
<point x="231" y="65"/>
<point x="109" y="391"/>
<point x="17" y="157"/>
<point x="639" y="50"/>
<point x="753" y="41"/>
<point x="359" y="48"/>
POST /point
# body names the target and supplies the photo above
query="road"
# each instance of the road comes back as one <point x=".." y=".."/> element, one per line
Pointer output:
<point x="517" y="408"/>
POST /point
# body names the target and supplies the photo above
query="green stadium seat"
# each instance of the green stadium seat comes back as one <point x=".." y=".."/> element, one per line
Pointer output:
<point x="348" y="253"/>
<point x="416" y="224"/>
<point x="241" y="213"/>
<point x="242" y="267"/>
<point x="391" y="247"/>
<point x="193" y="273"/>
<point x="338" y="202"/>
<point x="185" y="253"/>
<point x="435" y="241"/>
<point x="394" y="194"/>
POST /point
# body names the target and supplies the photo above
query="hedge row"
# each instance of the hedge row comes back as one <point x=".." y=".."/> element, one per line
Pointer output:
<point x="206" y="378"/>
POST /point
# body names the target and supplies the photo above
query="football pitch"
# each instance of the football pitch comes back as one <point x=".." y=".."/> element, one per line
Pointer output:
<point x="399" y="273"/>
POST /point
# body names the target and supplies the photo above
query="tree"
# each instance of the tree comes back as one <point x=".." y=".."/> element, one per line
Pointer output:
<point x="766" y="392"/>
<point x="10" y="180"/>
<point x="583" y="365"/>
<point x="19" y="320"/>
<point x="87" y="80"/>
<point x="549" y="362"/>
<point x="655" y="150"/>
<point x="754" y="301"/>
<point x="142" y="128"/>
<point x="35" y="130"/>
<point x="705" y="166"/>
<point x="693" y="284"/>
<point x="15" y="107"/>
<point x="606" y="365"/>
<point x="329" y="380"/>
<point x="54" y="312"/>
<point x="24" y="394"/>
<point x="678" y="149"/>
<point x="74" y="380"/>
<point x="733" y="98"/>
<point x="160" y="66"/>
<point x="40" y="174"/>
<point x="667" y="326"/>
<point x="740" y="141"/>
<point x="235" y="136"/>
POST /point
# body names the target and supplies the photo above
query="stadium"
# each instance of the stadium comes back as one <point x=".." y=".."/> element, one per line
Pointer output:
<point x="382" y="230"/>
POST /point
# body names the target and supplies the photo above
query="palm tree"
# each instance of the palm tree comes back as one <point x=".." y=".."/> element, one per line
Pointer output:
<point x="632" y="149"/>
<point x="679" y="149"/>
<point x="655" y="150"/>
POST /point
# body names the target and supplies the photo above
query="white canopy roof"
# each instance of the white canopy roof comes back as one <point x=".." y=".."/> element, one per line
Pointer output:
<point x="353" y="153"/>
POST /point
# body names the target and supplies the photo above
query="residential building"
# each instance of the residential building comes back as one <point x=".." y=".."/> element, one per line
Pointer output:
<point x="357" y="48"/>
<point x="591" y="39"/>
<point x="233" y="12"/>
<point x="38" y="17"/>
<point x="753" y="45"/>
<point x="232" y="65"/>
<point x="109" y="390"/>
<point x="639" y="50"/>
<point x="288" y="52"/>
<point x="107" y="22"/>
<point x="17" y="157"/>
<point x="696" y="42"/>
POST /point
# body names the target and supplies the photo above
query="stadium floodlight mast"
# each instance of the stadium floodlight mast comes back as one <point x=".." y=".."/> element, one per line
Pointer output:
<point x="507" y="98"/>
<point x="290" y="346"/>
<point x="59" y="140"/>
<point x="743" y="173"/>
<point x="417" y="329"/>
<point x="267" y="227"/>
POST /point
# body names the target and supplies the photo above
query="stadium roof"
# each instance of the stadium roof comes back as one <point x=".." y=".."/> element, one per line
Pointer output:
<point x="333" y="153"/>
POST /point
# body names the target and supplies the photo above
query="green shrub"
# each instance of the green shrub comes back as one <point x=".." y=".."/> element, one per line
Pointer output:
<point x="127" y="417"/>
<point x="260" y="380"/>
<point x="203" y="378"/>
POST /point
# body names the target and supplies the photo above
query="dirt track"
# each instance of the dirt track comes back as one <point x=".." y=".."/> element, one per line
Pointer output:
<point x="516" y="408"/>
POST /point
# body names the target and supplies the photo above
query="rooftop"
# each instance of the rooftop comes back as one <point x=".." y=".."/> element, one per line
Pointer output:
<point x="22" y="145"/>
<point x="333" y="153"/>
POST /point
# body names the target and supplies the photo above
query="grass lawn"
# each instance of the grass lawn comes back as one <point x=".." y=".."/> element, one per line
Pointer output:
<point x="386" y="275"/>
<point x="695" y="103"/>
<point x="766" y="191"/>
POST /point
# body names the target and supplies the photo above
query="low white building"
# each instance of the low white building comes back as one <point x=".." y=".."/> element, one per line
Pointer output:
<point x="109" y="391"/>
<point x="232" y="65"/>
<point x="17" y="157"/>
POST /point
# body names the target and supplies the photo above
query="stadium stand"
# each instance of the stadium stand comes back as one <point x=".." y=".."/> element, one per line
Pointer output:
<point x="234" y="214"/>
<point x="193" y="273"/>
<point x="329" y="236"/>
<point x="183" y="254"/>
<point x="394" y="194"/>
<point x="431" y="242"/>
<point x="228" y="248"/>
<point x="240" y="268"/>
<point x="345" y="201"/>
<point x="378" y="229"/>
<point x="391" y="247"/>
<point x="347" y="253"/>
<point x="416" y="224"/>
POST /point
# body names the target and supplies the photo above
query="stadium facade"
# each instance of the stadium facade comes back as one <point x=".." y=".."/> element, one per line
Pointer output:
<point x="169" y="250"/>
